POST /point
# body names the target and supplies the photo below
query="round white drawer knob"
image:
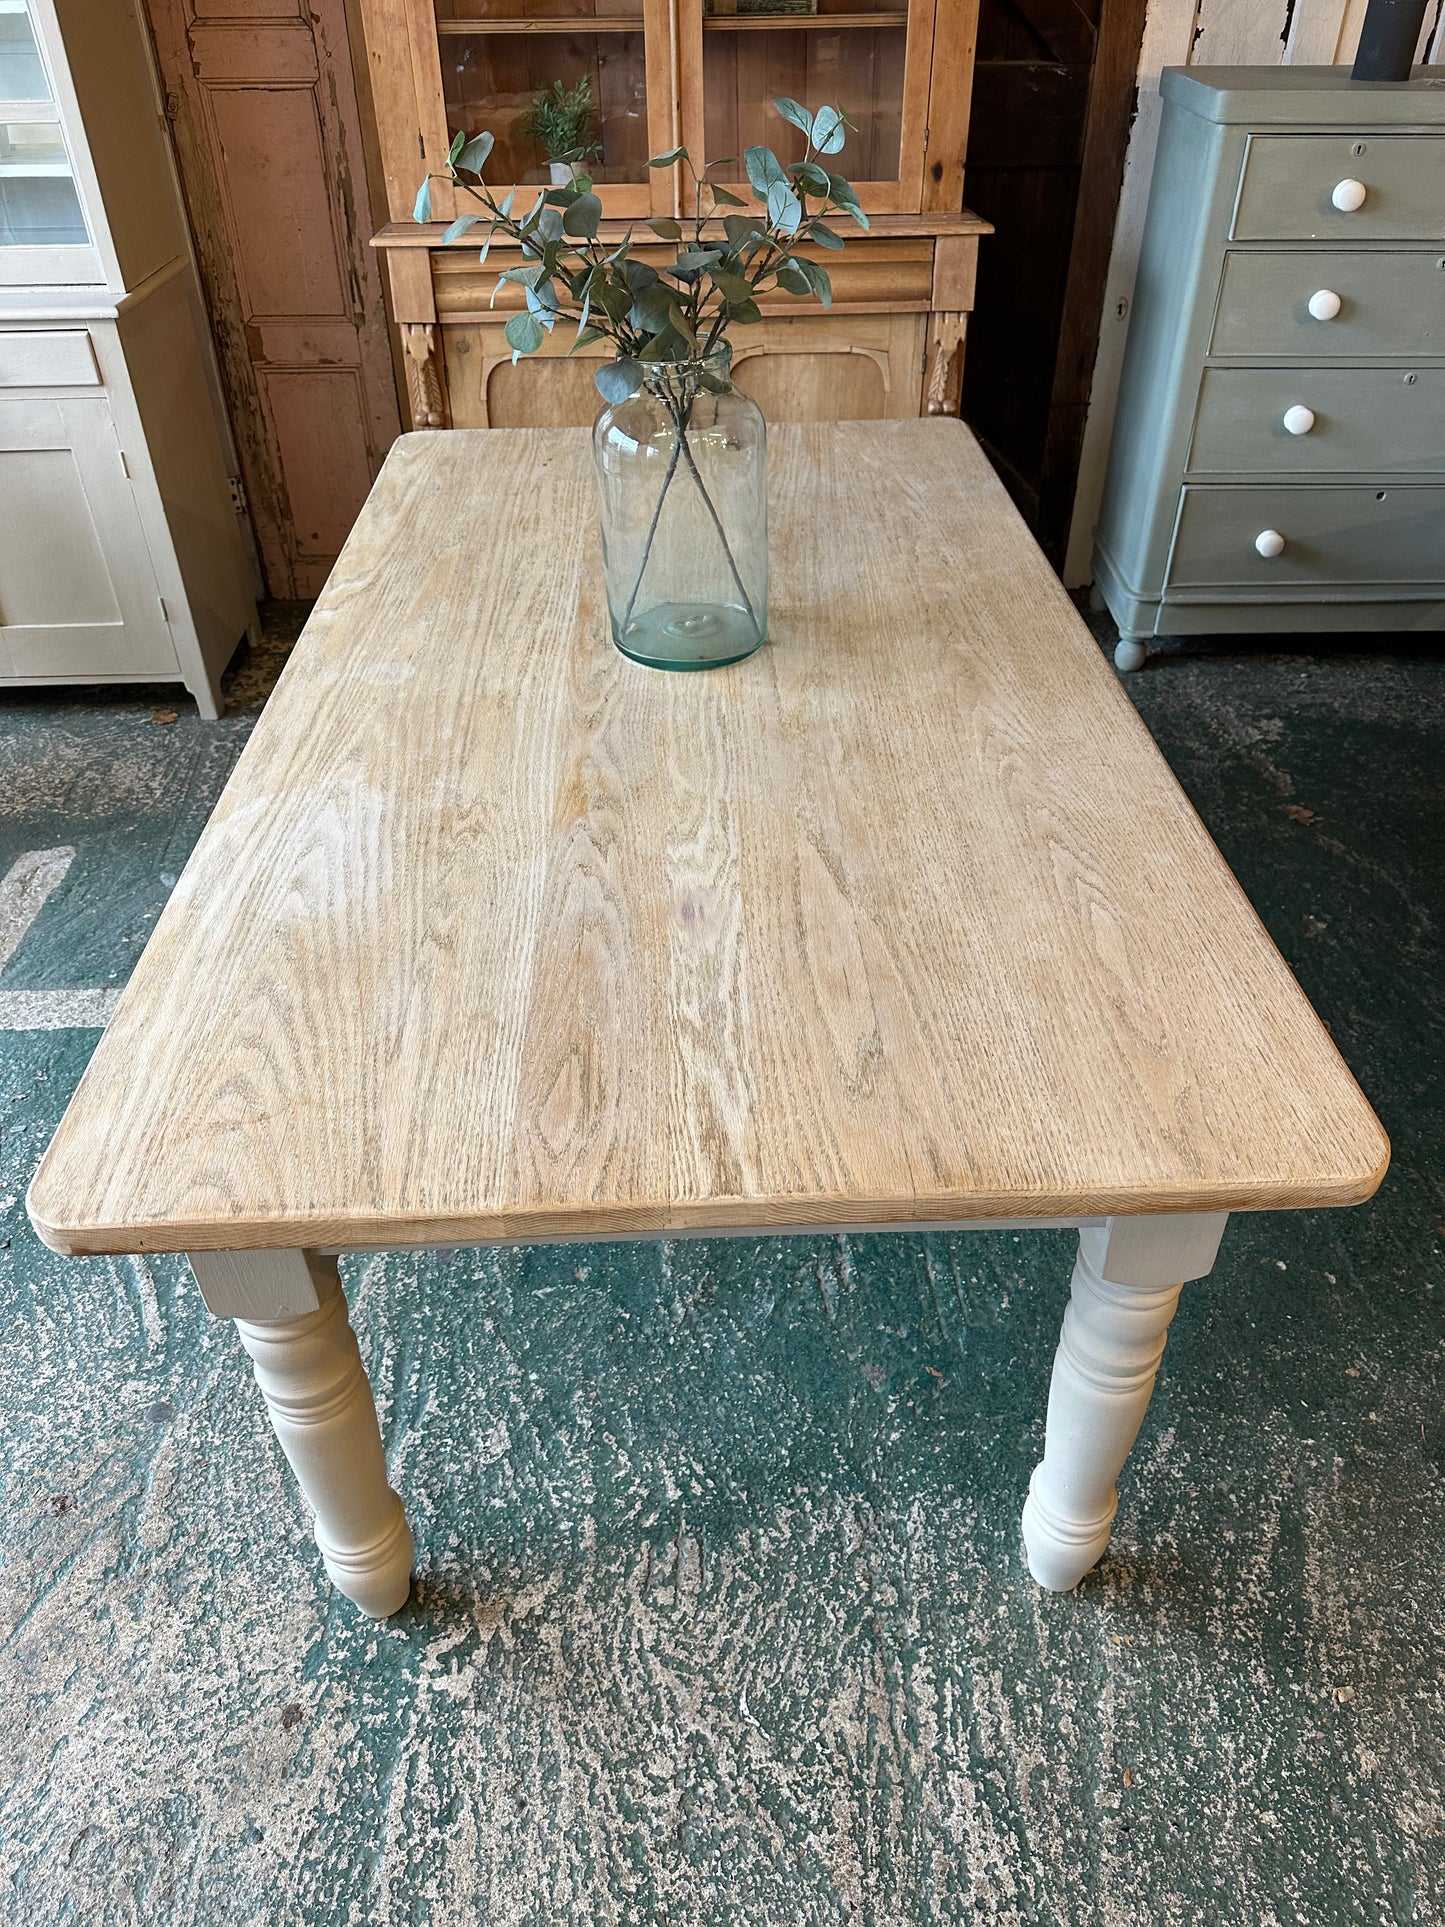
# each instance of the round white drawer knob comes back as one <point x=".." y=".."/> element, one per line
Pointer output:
<point x="1349" y="196"/>
<point x="1270" y="543"/>
<point x="1299" y="420"/>
<point x="1325" y="305"/>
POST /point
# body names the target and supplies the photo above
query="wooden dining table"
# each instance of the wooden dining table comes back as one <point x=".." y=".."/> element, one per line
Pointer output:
<point x="496" y="936"/>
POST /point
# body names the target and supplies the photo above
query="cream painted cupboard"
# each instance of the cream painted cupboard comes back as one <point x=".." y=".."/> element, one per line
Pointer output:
<point x="124" y="555"/>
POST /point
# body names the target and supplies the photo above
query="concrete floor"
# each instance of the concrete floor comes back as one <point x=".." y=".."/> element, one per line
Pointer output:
<point x="721" y="1614"/>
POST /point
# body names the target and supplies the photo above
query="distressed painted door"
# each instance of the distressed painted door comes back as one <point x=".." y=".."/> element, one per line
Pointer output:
<point x="262" y="103"/>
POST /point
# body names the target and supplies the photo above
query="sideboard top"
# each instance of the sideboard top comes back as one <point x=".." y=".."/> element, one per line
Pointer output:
<point x="1306" y="96"/>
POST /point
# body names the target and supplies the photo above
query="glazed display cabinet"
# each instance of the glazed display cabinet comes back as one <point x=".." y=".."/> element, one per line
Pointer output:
<point x="123" y="554"/>
<point x="664" y="73"/>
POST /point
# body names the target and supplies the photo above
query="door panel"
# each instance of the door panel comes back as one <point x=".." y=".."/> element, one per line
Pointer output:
<point x="263" y="106"/>
<point x="78" y="593"/>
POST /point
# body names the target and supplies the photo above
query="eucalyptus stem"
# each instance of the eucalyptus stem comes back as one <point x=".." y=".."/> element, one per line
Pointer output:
<point x="722" y="537"/>
<point x="652" y="526"/>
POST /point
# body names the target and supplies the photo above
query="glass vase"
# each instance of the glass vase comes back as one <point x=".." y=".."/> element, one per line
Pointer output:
<point x="682" y="481"/>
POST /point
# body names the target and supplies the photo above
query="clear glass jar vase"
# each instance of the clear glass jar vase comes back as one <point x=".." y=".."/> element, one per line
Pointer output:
<point x="682" y="480"/>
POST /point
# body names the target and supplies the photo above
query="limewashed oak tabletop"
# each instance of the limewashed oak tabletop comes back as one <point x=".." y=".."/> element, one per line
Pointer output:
<point x="497" y="936"/>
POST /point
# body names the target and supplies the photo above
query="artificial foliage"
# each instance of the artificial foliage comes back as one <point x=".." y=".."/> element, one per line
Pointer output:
<point x="563" y="122"/>
<point x="727" y="252"/>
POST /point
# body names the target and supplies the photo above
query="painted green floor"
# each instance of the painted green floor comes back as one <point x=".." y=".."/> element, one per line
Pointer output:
<point x="721" y="1613"/>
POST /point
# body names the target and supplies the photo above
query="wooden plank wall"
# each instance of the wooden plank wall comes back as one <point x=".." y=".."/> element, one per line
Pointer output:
<point x="1180" y="33"/>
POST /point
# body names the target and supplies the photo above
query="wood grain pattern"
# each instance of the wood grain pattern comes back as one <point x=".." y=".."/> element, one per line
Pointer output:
<point x="495" y="934"/>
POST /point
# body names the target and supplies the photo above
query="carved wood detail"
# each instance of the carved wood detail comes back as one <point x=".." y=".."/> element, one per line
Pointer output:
<point x="426" y="391"/>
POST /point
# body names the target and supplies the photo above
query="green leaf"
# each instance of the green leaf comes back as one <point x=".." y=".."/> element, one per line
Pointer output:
<point x="784" y="209"/>
<point x="583" y="217"/>
<point x="829" y="130"/>
<point x="666" y="229"/>
<point x="549" y="224"/>
<point x="639" y="275"/>
<point x="732" y="287"/>
<point x="764" y="168"/>
<point x="724" y="198"/>
<point x="745" y="313"/>
<point x="505" y="209"/>
<point x="689" y="260"/>
<point x="651" y="308"/>
<point x="841" y="191"/>
<point x="463" y="224"/>
<point x="823" y="236"/>
<point x="809" y="177"/>
<point x="666" y="160"/>
<point x="795" y="114"/>
<point x="459" y="141"/>
<point x="473" y="157"/>
<point x="422" y="210"/>
<point x="524" y="335"/>
<point x="740" y="227"/>
<point x="792" y="277"/>
<point x="617" y="380"/>
<point x="585" y="339"/>
<point x="680" y="323"/>
<point x="818" y="279"/>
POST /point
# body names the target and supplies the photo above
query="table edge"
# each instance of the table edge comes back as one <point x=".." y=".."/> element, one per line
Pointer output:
<point x="693" y="1217"/>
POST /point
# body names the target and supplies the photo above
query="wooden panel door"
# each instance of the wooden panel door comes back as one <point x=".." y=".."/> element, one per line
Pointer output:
<point x="262" y="100"/>
<point x="78" y="594"/>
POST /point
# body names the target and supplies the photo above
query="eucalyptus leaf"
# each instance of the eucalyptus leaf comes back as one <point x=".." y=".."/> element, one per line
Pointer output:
<point x="549" y="224"/>
<point x="829" y="130"/>
<point x="724" y="198"/>
<point x="617" y="380"/>
<point x="809" y="177"/>
<point x="473" y="157"/>
<point x="784" y="209"/>
<point x="819" y="280"/>
<point x="463" y="224"/>
<point x="585" y="339"/>
<point x="666" y="160"/>
<point x="459" y="141"/>
<point x="792" y="277"/>
<point x="795" y="114"/>
<point x="689" y="259"/>
<point x="422" y="209"/>
<point x="764" y="168"/>
<point x="665" y="228"/>
<point x="524" y="334"/>
<point x="732" y="287"/>
<point x="740" y="227"/>
<point x="583" y="217"/>
<point x="505" y="208"/>
<point x="824" y="236"/>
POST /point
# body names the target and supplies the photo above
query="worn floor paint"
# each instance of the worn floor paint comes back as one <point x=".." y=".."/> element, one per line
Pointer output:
<point x="721" y="1613"/>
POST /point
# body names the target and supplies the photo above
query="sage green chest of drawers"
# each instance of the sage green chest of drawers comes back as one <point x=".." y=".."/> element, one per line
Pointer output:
<point x="1278" y="458"/>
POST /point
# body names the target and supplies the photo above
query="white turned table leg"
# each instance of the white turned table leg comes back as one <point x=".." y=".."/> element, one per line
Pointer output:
<point x="1126" y="1285"/>
<point x="291" y="1317"/>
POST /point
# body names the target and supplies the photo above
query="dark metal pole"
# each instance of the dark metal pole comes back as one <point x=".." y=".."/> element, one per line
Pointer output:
<point x="1388" y="39"/>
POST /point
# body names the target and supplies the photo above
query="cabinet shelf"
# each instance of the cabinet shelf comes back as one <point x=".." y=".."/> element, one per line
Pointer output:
<point x="798" y="22"/>
<point x="582" y="24"/>
<point x="578" y="24"/>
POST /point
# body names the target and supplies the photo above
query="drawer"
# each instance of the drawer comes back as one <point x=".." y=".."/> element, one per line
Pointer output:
<point x="1333" y="537"/>
<point x="1289" y="181"/>
<point x="59" y="358"/>
<point x="1372" y="420"/>
<point x="1391" y="303"/>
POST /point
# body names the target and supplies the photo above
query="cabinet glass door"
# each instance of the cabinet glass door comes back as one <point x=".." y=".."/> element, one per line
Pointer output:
<point x="39" y="207"/>
<point x="871" y="61"/>
<point x="527" y="70"/>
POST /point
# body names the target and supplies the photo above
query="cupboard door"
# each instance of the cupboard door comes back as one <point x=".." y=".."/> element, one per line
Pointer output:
<point x="873" y="61"/>
<point x="78" y="594"/>
<point x="498" y="57"/>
